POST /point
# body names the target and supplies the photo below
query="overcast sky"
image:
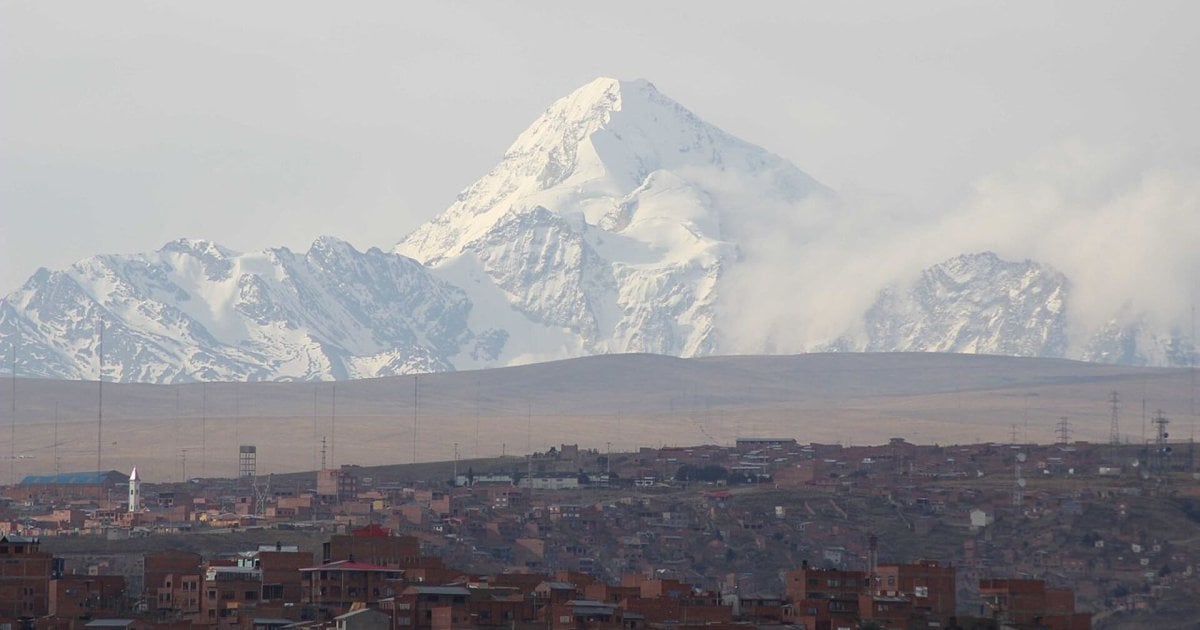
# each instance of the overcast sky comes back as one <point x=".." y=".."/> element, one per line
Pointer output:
<point x="125" y="125"/>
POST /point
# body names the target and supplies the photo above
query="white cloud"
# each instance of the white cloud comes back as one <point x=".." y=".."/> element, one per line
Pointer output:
<point x="1123" y="226"/>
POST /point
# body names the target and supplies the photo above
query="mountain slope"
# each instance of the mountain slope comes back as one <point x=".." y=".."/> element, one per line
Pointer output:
<point x="196" y="311"/>
<point x="976" y="304"/>
<point x="613" y="217"/>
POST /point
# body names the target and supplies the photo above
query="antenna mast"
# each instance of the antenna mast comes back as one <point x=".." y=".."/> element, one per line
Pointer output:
<point x="56" y="465"/>
<point x="1114" y="431"/>
<point x="316" y="430"/>
<point x="12" y="447"/>
<point x="1162" y="452"/>
<point x="1064" y="430"/>
<point x="100" y="401"/>
<point x="1018" y="482"/>
<point x="203" y="426"/>
<point x="333" y="424"/>
<point x="416" y="412"/>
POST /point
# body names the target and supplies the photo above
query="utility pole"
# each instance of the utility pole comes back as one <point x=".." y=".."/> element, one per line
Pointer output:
<point x="456" y="464"/>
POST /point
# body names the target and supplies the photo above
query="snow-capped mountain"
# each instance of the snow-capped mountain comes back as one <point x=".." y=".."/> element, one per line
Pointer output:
<point x="618" y="222"/>
<point x="196" y="311"/>
<point x="611" y="219"/>
<point x="982" y="304"/>
<point x="976" y="304"/>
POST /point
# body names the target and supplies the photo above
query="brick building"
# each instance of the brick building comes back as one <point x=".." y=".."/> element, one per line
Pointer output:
<point x="172" y="583"/>
<point x="930" y="586"/>
<point x="24" y="578"/>
<point x="1029" y="602"/>
<point x="87" y="596"/>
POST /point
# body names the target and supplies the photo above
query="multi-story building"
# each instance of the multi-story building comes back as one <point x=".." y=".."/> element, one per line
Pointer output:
<point x="336" y="484"/>
<point x="930" y="587"/>
<point x="334" y="587"/>
<point x="372" y="545"/>
<point x="229" y="593"/>
<point x="172" y="582"/>
<point x="838" y="590"/>
<point x="1030" y="603"/>
<point x="282" y="581"/>
<point x="87" y="596"/>
<point x="24" y="578"/>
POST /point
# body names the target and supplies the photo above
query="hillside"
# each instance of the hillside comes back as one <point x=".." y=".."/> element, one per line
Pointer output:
<point x="628" y="400"/>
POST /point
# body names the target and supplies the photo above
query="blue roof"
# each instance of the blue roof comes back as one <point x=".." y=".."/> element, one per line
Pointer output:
<point x="77" y="478"/>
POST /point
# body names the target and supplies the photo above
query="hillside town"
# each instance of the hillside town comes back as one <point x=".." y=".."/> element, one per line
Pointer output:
<point x="769" y="533"/>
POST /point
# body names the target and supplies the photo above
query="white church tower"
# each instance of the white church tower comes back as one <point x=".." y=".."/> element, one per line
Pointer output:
<point x="135" y="492"/>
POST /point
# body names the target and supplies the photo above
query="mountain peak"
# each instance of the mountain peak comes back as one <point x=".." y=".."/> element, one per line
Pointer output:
<point x="199" y="247"/>
<point x="594" y="152"/>
<point x="605" y="94"/>
<point x="598" y="129"/>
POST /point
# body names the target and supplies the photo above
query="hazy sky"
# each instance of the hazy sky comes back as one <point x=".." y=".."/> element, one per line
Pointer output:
<point x="124" y="125"/>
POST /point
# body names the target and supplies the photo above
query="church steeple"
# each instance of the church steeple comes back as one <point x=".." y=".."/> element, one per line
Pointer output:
<point x="135" y="491"/>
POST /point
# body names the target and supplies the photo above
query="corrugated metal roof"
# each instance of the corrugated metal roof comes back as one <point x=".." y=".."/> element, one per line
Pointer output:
<point x="77" y="478"/>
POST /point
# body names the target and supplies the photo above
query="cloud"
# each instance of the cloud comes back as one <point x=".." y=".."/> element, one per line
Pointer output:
<point x="1123" y="225"/>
